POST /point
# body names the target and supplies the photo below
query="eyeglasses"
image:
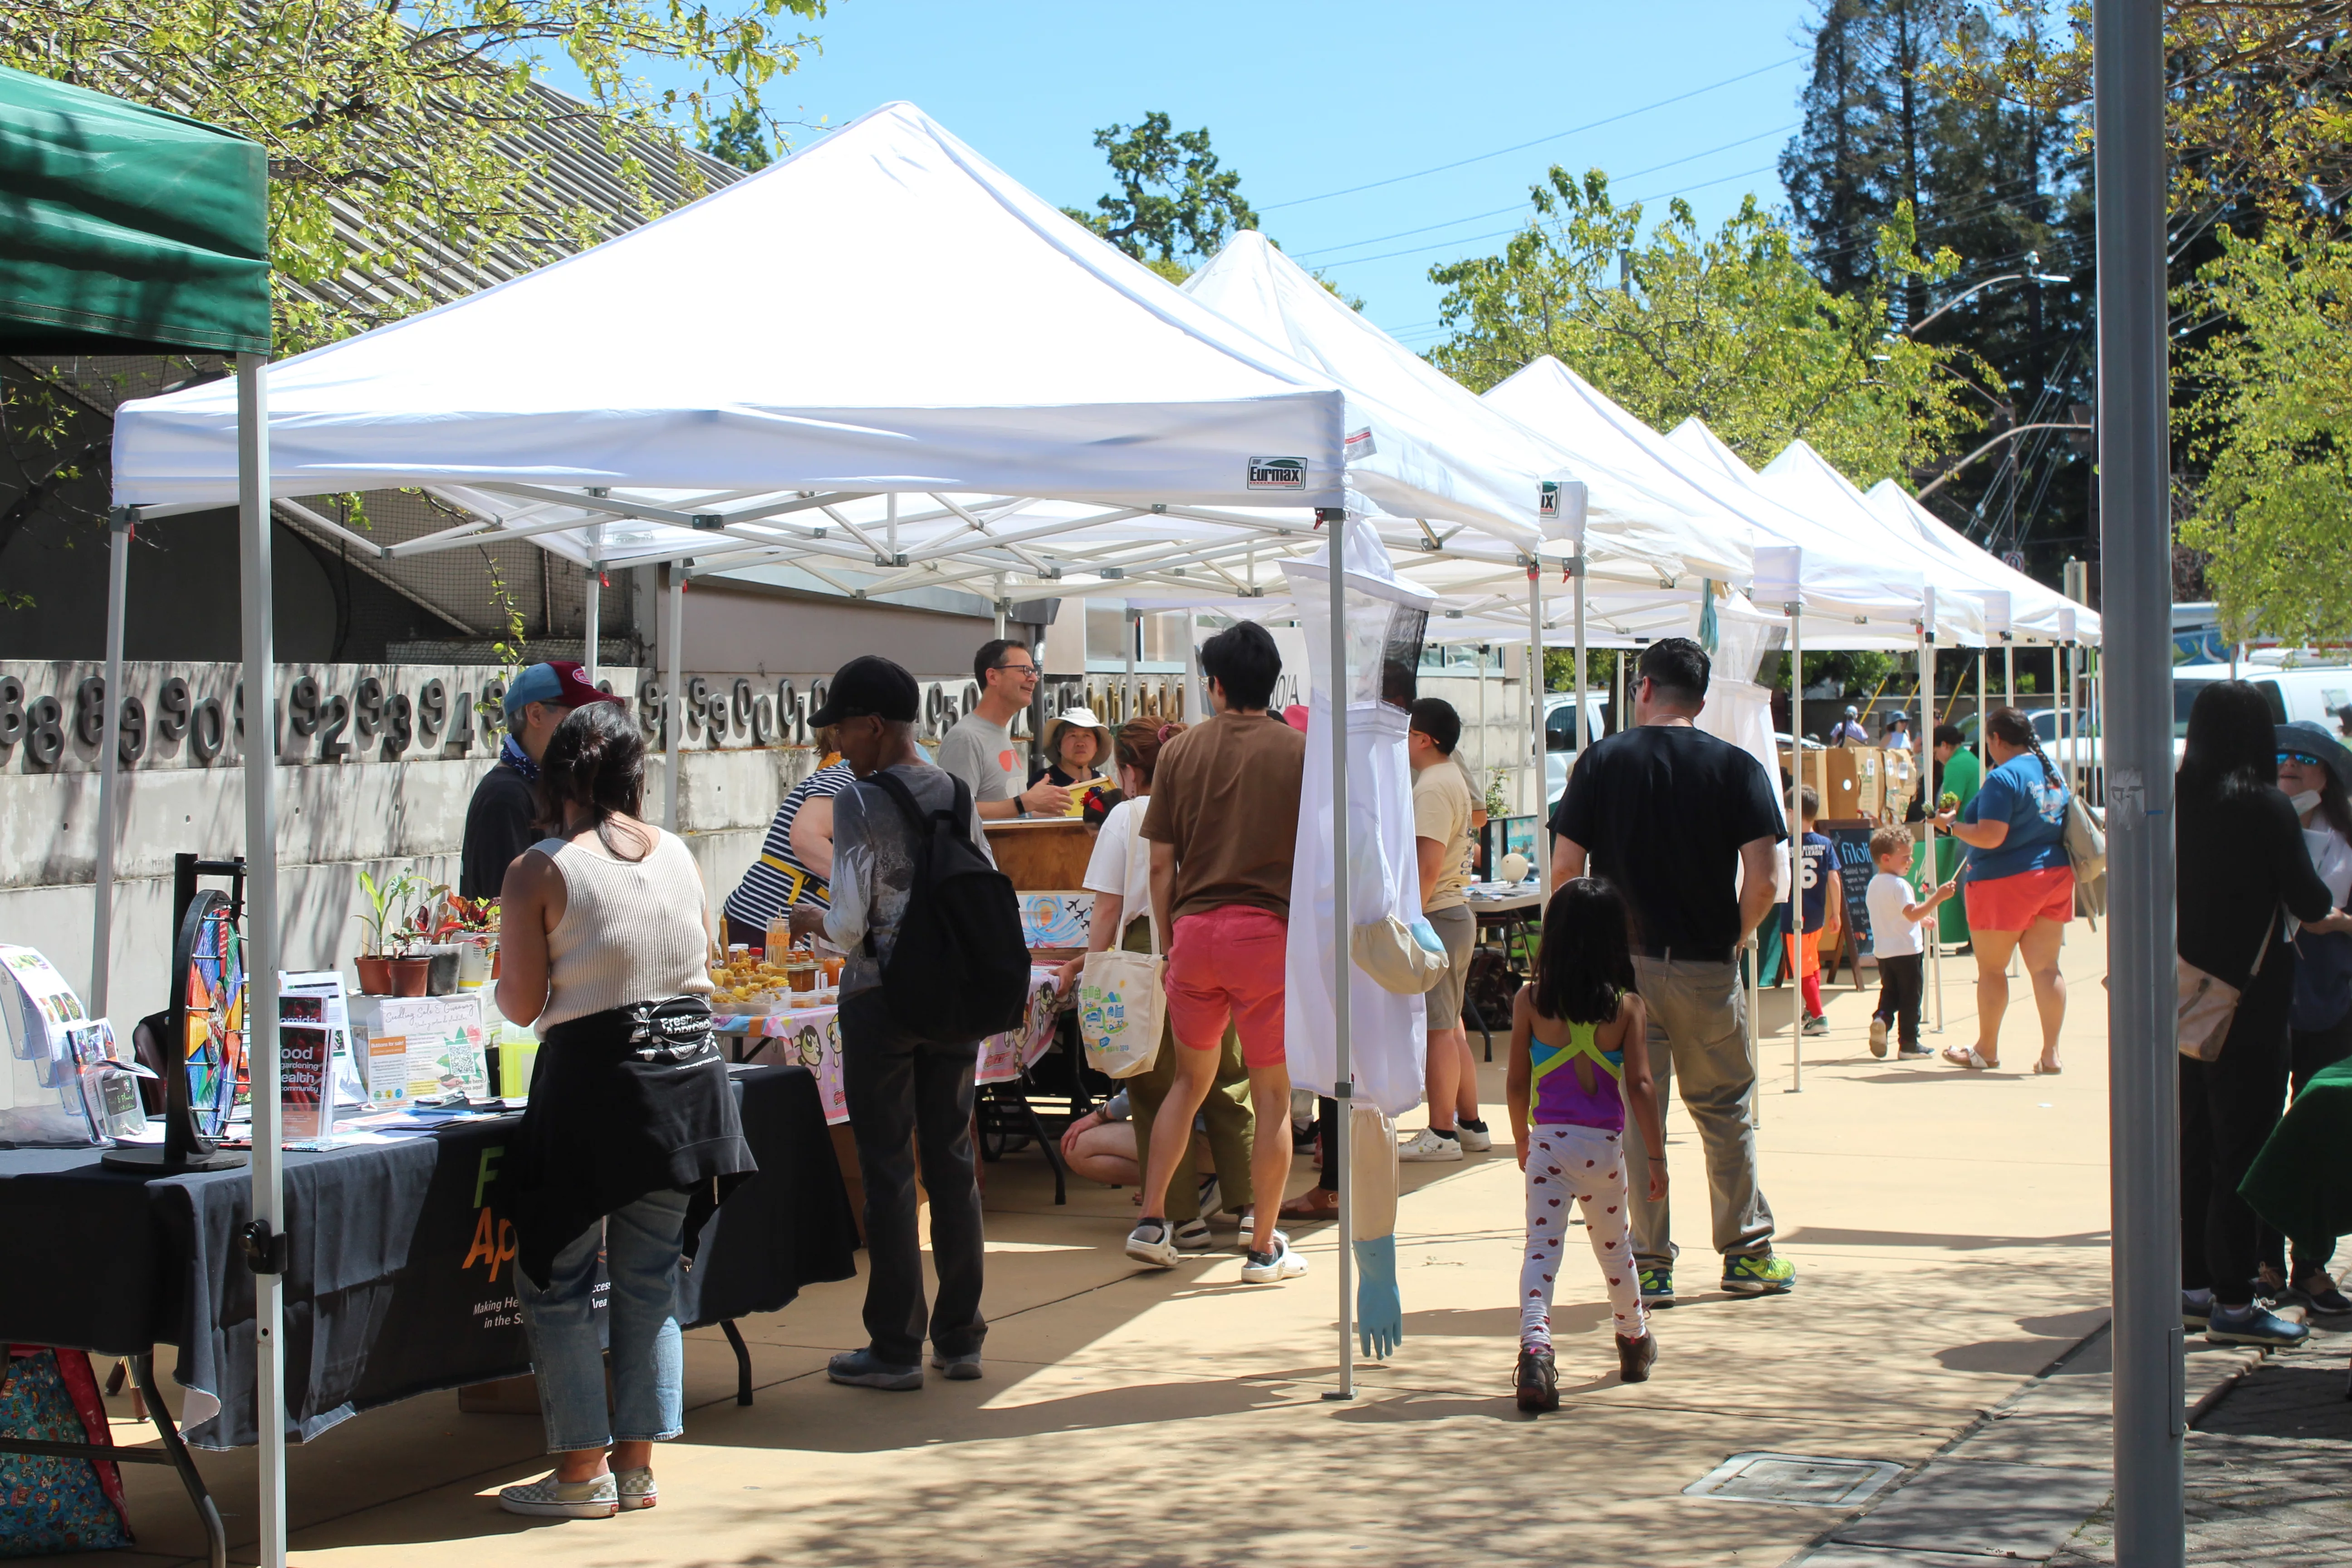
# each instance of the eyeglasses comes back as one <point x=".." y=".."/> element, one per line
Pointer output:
<point x="1017" y="670"/>
<point x="2306" y="758"/>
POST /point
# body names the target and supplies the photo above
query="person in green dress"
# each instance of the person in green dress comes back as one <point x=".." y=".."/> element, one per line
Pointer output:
<point x="1958" y="775"/>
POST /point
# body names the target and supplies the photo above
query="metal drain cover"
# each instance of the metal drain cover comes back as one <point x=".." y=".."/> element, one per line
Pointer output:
<point x="1797" y="1481"/>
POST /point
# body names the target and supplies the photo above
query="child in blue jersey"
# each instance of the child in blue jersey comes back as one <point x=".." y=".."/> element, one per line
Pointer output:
<point x="1579" y="1056"/>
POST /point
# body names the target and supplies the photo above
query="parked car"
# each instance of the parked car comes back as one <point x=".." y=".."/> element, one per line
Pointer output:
<point x="1560" y="737"/>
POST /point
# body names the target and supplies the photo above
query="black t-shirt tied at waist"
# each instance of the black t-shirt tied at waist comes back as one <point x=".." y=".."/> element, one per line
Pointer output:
<point x="623" y="1103"/>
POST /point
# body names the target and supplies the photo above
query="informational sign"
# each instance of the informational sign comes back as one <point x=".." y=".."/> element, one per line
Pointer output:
<point x="422" y="1047"/>
<point x="1852" y="849"/>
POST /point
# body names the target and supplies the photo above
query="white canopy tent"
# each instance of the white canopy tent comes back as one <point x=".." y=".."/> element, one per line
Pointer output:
<point x="1031" y="406"/>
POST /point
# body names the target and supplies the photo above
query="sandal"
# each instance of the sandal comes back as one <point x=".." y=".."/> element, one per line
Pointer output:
<point x="1314" y="1204"/>
<point x="1966" y="1057"/>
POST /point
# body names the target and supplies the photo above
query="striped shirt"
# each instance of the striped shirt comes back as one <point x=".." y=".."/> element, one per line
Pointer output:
<point x="767" y="888"/>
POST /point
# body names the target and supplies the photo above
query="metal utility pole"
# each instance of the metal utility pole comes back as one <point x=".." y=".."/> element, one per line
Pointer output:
<point x="2136" y="545"/>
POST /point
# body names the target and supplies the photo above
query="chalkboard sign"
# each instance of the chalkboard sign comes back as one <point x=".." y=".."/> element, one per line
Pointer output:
<point x="1855" y="869"/>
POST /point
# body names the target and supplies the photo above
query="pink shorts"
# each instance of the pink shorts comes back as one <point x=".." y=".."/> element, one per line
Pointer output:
<point x="2013" y="903"/>
<point x="1226" y="964"/>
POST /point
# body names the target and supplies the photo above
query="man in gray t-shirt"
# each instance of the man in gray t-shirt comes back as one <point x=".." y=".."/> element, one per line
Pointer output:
<point x="980" y="749"/>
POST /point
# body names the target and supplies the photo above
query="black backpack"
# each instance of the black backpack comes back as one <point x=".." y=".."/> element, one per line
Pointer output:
<point x="960" y="970"/>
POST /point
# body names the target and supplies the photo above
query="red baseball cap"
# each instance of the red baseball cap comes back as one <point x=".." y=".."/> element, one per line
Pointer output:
<point x="559" y="681"/>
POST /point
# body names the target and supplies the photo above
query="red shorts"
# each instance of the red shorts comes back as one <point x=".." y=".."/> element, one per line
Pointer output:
<point x="2013" y="903"/>
<point x="1227" y="964"/>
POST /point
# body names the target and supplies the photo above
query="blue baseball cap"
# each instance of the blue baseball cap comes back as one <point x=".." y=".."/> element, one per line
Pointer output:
<point x="559" y="681"/>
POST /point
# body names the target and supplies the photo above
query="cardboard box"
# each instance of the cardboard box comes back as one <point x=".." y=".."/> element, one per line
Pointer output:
<point x="421" y="1047"/>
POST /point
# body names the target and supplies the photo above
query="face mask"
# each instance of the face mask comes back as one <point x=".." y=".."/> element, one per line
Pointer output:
<point x="2305" y="803"/>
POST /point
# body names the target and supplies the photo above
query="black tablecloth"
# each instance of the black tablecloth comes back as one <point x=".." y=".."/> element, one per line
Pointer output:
<point x="400" y="1277"/>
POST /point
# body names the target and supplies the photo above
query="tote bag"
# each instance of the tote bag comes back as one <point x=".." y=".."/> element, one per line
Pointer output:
<point x="1120" y="1007"/>
<point x="2208" y="1003"/>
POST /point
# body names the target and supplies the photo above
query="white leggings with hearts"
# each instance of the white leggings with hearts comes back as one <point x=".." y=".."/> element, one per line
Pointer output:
<point x="1587" y="1163"/>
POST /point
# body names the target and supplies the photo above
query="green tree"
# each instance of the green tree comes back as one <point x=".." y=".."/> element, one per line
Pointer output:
<point x="739" y="140"/>
<point x="1731" y="327"/>
<point x="1174" y="206"/>
<point x="2270" y="413"/>
<point x="403" y="133"/>
<point x="2002" y="186"/>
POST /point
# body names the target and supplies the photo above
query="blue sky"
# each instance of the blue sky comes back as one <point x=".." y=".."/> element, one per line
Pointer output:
<point x="1306" y="99"/>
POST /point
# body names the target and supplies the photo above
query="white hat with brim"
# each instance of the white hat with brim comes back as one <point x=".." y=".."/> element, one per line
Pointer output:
<point x="1078" y="718"/>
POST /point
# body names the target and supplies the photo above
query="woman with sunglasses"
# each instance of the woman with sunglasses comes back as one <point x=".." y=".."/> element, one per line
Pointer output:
<point x="2312" y="770"/>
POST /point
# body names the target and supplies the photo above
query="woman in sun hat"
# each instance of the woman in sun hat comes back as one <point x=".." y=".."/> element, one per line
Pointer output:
<point x="1076" y="745"/>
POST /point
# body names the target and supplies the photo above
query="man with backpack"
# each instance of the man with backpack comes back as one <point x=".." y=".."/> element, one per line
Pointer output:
<point x="936" y="962"/>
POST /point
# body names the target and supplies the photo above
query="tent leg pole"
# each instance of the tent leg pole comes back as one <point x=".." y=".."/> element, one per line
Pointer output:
<point x="1535" y="775"/>
<point x="1343" y="1087"/>
<point x="1127" y="692"/>
<point x="1583" y="732"/>
<point x="1190" y="711"/>
<point x="1796" y="932"/>
<point x="1927" y="784"/>
<point x="591" y="621"/>
<point x="120" y="524"/>
<point x="673" y="697"/>
<point x="1617" y="706"/>
<point x="261" y="935"/>
<point x="999" y="597"/>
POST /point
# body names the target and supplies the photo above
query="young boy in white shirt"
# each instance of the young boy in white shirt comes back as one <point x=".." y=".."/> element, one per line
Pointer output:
<point x="1896" y="941"/>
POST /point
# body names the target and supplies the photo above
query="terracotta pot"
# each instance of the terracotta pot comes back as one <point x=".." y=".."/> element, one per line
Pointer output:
<point x="375" y="975"/>
<point x="411" y="975"/>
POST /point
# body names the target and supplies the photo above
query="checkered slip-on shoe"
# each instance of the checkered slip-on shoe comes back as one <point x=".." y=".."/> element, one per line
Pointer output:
<point x="547" y="1497"/>
<point x="638" y="1489"/>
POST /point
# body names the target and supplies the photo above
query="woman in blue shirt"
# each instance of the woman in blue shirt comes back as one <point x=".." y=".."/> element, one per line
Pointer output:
<point x="2019" y="885"/>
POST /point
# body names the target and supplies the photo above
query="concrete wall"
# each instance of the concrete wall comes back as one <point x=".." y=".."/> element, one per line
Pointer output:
<point x="386" y="812"/>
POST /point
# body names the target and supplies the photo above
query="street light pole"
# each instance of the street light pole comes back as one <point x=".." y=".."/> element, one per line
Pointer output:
<point x="2135" y="539"/>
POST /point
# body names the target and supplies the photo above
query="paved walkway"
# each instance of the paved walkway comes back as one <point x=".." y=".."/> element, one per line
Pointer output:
<point x="1949" y="1229"/>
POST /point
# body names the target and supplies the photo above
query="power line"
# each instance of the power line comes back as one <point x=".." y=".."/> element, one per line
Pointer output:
<point x="1523" y="146"/>
<point x="1515" y="206"/>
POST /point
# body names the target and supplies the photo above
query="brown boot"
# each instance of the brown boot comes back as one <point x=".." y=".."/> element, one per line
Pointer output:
<point x="1538" y="1382"/>
<point x="1636" y="1357"/>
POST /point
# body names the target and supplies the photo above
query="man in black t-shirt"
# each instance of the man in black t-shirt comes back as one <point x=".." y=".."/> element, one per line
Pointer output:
<point x="1685" y="824"/>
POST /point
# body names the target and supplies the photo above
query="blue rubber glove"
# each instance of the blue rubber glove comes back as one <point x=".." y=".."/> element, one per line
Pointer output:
<point x="1426" y="934"/>
<point x="1380" y="1314"/>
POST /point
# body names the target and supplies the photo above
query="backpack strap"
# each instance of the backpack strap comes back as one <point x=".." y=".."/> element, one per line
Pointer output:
<point x="958" y="816"/>
<point x="905" y="797"/>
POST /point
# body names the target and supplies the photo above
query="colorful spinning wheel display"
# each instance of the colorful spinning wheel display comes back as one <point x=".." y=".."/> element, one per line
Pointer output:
<point x="210" y="962"/>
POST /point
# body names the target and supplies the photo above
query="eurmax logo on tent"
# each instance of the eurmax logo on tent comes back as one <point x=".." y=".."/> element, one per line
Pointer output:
<point x="1277" y="473"/>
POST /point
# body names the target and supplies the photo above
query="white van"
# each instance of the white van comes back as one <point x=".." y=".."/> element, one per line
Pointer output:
<point x="2319" y="694"/>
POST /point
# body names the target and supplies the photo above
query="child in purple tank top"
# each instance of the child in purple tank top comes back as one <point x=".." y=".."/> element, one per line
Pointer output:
<point x="1579" y="1056"/>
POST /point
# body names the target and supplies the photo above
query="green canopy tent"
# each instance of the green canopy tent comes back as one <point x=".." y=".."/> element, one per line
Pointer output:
<point x="133" y="230"/>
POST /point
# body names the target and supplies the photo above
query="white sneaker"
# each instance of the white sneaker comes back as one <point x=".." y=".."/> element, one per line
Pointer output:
<point x="1273" y="1268"/>
<point x="1877" y="1036"/>
<point x="1212" y="1197"/>
<point x="1427" y="1146"/>
<point x="1154" y="1242"/>
<point x="1193" y="1235"/>
<point x="1473" y="1140"/>
<point x="547" y="1497"/>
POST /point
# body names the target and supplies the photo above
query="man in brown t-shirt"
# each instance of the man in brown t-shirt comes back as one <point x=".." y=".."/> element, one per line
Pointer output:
<point x="1222" y="824"/>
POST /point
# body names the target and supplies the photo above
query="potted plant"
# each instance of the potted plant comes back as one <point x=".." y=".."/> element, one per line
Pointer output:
<point x="438" y="933"/>
<point x="387" y="906"/>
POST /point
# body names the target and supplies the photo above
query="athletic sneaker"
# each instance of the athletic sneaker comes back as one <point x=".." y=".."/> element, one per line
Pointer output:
<point x="547" y="1497"/>
<point x="1877" y="1036"/>
<point x="1271" y="1268"/>
<point x="1212" y="1197"/>
<point x="1657" y="1288"/>
<point x="961" y="1368"/>
<point x="1912" y="1051"/>
<point x="1758" y="1276"/>
<point x="636" y="1487"/>
<point x="1474" y="1139"/>
<point x="1537" y="1381"/>
<point x="2253" y="1325"/>
<point x="1818" y="1024"/>
<point x="2194" y="1310"/>
<point x="2317" y="1293"/>
<point x="1193" y="1235"/>
<point x="863" y="1369"/>
<point x="1248" y="1227"/>
<point x="1153" y="1241"/>
<point x="1425" y="1146"/>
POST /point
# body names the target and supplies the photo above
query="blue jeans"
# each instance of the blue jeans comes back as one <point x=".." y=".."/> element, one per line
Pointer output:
<point x="641" y="1244"/>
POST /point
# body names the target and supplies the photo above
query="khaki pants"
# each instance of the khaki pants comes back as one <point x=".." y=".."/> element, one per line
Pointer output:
<point x="1226" y="1111"/>
<point x="1698" y="1033"/>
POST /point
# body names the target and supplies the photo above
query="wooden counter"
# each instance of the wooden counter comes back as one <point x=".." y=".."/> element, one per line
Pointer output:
<point x="1044" y="853"/>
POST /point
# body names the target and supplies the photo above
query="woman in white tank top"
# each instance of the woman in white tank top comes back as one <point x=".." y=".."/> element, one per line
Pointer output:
<point x="631" y="1131"/>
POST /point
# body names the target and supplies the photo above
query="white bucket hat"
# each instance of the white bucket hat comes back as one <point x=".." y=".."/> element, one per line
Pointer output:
<point x="1083" y="719"/>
